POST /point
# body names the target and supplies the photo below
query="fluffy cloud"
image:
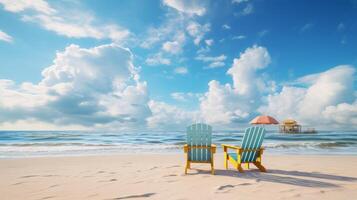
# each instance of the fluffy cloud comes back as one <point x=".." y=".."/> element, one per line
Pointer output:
<point x="214" y="62"/>
<point x="226" y="104"/>
<point x="157" y="59"/>
<point x="21" y="5"/>
<point x="323" y="100"/>
<point x="87" y="87"/>
<point x="187" y="6"/>
<point x="181" y="96"/>
<point x="226" y="26"/>
<point x="197" y="31"/>
<point x="221" y="104"/>
<point x="328" y="99"/>
<point x="209" y="42"/>
<point x="239" y="37"/>
<point x="5" y="37"/>
<point x="244" y="70"/>
<point x="248" y="9"/>
<point x="181" y="70"/>
<point x="239" y="1"/>
<point x="343" y="114"/>
<point x="175" y="46"/>
<point x="66" y="22"/>
<point x="169" y="117"/>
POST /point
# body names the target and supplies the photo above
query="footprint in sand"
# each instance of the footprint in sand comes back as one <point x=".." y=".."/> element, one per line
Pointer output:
<point x="52" y="186"/>
<point x="224" y="187"/>
<point x="153" y="168"/>
<point x="138" y="182"/>
<point x="170" y="175"/>
<point x="48" y="197"/>
<point x="289" y="190"/>
<point x="19" y="183"/>
<point x="29" y="176"/>
<point x="227" y="188"/>
<point x="32" y="176"/>
<point x="173" y="166"/>
<point x="111" y="180"/>
<point x="135" y="196"/>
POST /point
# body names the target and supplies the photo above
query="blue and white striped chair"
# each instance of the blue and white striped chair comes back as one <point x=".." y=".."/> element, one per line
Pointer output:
<point x="249" y="152"/>
<point x="199" y="147"/>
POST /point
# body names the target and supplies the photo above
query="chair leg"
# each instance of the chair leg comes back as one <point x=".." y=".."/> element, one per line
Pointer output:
<point x="212" y="164"/>
<point x="212" y="168"/>
<point x="225" y="160"/>
<point x="260" y="166"/>
<point x="187" y="166"/>
<point x="240" y="169"/>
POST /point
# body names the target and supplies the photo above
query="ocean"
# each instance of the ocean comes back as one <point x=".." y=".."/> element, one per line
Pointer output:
<point x="58" y="143"/>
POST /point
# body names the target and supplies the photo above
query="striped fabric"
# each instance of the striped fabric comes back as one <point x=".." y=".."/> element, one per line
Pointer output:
<point x="199" y="135"/>
<point x="252" y="139"/>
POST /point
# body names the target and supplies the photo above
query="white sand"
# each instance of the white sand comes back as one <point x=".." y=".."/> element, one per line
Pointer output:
<point x="153" y="176"/>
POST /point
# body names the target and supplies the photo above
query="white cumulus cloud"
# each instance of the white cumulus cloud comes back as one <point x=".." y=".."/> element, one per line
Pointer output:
<point x="226" y="104"/>
<point x="169" y="117"/>
<point x="87" y="87"/>
<point x="175" y="46"/>
<point x="197" y="31"/>
<point x="69" y="22"/>
<point x="157" y="59"/>
<point x="5" y="37"/>
<point x="189" y="7"/>
<point x="213" y="61"/>
<point x="40" y="6"/>
<point x="327" y="99"/>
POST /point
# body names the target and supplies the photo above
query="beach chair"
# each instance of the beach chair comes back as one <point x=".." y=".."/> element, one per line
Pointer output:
<point x="199" y="147"/>
<point x="250" y="150"/>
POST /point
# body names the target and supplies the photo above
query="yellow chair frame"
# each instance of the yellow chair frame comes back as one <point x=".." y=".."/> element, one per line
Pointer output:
<point x="238" y="163"/>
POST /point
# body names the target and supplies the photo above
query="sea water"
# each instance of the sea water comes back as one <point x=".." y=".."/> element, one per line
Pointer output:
<point x="58" y="143"/>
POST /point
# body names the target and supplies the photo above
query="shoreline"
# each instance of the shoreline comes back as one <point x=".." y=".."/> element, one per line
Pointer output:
<point x="273" y="154"/>
<point x="161" y="176"/>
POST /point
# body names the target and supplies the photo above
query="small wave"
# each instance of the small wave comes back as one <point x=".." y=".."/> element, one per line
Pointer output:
<point x="51" y="144"/>
<point x="320" y="145"/>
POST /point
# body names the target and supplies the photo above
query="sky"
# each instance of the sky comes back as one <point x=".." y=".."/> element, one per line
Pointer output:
<point x="164" y="64"/>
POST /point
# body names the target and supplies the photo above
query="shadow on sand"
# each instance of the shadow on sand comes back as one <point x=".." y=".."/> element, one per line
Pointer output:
<point x="298" y="178"/>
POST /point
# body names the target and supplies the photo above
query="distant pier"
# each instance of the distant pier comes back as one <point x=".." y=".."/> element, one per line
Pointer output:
<point x="292" y="127"/>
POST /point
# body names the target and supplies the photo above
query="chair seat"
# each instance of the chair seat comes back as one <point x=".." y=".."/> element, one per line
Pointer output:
<point x="245" y="159"/>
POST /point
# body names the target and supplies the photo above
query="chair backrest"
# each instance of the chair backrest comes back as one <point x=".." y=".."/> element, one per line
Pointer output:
<point x="199" y="135"/>
<point x="252" y="139"/>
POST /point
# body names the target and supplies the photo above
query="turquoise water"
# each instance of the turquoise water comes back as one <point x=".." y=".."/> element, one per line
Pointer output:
<point x="44" y="143"/>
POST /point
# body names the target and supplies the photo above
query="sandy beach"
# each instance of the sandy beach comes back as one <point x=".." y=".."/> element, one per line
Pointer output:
<point x="155" y="176"/>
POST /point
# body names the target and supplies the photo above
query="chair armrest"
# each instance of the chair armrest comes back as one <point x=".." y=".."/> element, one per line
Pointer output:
<point x="213" y="148"/>
<point x="227" y="146"/>
<point x="185" y="148"/>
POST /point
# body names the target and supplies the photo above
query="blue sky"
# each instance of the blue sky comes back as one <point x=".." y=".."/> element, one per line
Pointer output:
<point x="175" y="63"/>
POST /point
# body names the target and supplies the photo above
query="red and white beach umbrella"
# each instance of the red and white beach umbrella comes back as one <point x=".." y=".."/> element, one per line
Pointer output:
<point x="264" y="119"/>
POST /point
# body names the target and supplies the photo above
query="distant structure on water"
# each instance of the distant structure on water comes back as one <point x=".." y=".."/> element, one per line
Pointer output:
<point x="291" y="126"/>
